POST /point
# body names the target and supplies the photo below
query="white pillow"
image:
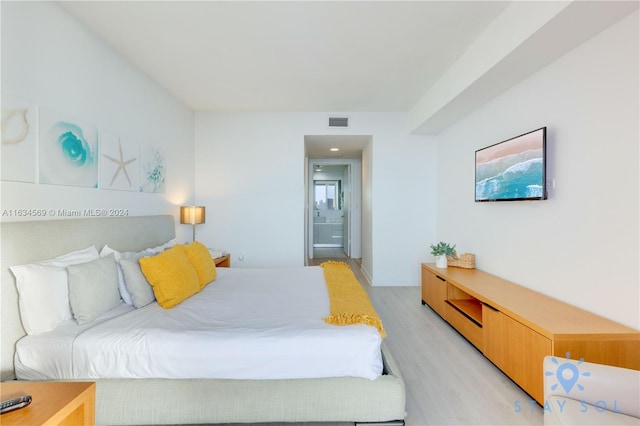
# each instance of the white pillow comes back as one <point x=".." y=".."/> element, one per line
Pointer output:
<point x="163" y="247"/>
<point x="106" y="250"/>
<point x="44" y="291"/>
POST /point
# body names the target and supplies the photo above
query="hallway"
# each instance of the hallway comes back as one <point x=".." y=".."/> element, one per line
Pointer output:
<point x="322" y="254"/>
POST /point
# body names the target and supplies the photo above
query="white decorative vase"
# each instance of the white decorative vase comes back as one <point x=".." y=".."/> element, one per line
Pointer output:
<point x="441" y="261"/>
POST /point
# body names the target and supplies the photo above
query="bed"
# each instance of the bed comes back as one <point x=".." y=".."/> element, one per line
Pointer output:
<point x="281" y="394"/>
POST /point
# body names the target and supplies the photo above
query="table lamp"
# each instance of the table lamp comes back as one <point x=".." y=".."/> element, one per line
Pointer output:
<point x="193" y="215"/>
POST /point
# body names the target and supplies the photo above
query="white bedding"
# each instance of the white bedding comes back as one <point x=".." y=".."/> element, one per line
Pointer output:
<point x="247" y="324"/>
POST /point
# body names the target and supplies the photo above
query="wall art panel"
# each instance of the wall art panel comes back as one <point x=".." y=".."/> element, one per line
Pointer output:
<point x="152" y="169"/>
<point x="18" y="135"/>
<point x="119" y="162"/>
<point x="68" y="151"/>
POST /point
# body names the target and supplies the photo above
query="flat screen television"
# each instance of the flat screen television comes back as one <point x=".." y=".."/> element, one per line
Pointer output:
<point x="514" y="169"/>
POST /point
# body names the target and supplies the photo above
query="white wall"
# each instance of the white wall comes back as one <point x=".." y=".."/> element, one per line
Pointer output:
<point x="51" y="61"/>
<point x="580" y="245"/>
<point x="250" y="175"/>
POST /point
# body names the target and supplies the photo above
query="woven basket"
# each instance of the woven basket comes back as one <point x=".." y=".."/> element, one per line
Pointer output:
<point x="465" y="260"/>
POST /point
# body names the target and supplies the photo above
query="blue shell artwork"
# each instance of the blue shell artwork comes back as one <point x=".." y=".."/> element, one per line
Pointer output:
<point x="75" y="150"/>
<point x="68" y="156"/>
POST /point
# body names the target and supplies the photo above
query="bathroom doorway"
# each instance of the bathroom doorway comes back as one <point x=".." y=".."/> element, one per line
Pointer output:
<point x="340" y="190"/>
<point x="328" y="208"/>
<point x="334" y="207"/>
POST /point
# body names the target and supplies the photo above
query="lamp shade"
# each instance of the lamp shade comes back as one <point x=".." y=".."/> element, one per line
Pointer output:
<point x="192" y="215"/>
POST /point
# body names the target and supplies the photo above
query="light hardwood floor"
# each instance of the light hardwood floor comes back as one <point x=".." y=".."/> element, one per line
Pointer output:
<point x="448" y="381"/>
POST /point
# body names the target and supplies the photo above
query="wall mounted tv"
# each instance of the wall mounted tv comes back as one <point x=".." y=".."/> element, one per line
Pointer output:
<point x="514" y="169"/>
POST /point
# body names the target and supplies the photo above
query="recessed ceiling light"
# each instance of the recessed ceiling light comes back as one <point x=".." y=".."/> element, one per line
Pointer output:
<point x="335" y="149"/>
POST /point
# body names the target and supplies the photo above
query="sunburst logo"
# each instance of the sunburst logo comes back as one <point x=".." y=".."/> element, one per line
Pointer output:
<point x="567" y="373"/>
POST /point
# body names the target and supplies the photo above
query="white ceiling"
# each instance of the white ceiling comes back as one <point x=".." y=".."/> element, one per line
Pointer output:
<point x="435" y="60"/>
<point x="332" y="56"/>
<point x="349" y="146"/>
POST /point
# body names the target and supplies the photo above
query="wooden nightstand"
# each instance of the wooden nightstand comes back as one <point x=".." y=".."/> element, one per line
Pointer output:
<point x="54" y="403"/>
<point x="223" y="261"/>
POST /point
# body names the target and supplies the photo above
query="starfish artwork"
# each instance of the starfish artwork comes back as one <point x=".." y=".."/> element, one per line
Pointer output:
<point x="122" y="165"/>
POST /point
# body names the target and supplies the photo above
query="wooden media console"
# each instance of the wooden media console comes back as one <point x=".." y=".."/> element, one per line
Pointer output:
<point x="516" y="327"/>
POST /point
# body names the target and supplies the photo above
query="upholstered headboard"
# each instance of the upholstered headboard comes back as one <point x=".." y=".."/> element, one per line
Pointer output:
<point x="26" y="242"/>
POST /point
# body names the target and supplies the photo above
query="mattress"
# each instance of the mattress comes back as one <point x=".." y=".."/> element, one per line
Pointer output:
<point x="247" y="324"/>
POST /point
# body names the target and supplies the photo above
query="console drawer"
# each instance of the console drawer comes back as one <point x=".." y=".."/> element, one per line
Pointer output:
<point x="464" y="325"/>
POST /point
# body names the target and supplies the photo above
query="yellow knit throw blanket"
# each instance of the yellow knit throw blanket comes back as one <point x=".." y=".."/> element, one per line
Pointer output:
<point x="350" y="303"/>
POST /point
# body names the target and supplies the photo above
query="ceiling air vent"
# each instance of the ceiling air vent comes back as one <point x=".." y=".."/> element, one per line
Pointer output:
<point x="338" y="121"/>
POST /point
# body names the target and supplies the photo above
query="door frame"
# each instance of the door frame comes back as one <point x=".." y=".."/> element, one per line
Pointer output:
<point x="353" y="219"/>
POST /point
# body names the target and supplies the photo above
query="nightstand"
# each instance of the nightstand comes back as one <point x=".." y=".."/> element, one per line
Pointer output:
<point x="54" y="403"/>
<point x="223" y="261"/>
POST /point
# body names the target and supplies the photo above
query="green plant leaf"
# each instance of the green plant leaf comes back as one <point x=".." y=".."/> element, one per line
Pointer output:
<point x="442" y="248"/>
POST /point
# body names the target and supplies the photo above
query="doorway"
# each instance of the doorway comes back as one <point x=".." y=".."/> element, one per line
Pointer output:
<point x="345" y="152"/>
<point x="329" y="212"/>
<point x="334" y="209"/>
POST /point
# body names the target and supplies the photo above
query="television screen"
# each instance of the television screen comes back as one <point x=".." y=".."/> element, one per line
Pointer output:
<point x="513" y="169"/>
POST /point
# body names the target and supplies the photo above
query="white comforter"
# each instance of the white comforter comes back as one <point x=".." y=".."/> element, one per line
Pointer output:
<point x="247" y="324"/>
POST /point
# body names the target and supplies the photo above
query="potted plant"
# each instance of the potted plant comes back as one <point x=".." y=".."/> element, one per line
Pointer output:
<point x="441" y="251"/>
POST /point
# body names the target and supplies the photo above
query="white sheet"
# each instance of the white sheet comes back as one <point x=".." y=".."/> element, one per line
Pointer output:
<point x="247" y="324"/>
<point x="48" y="356"/>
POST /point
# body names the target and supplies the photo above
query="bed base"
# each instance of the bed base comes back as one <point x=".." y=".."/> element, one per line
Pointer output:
<point x="209" y="401"/>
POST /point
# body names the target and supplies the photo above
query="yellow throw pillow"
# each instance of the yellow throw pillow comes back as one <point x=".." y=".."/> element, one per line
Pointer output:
<point x="202" y="262"/>
<point x="171" y="275"/>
